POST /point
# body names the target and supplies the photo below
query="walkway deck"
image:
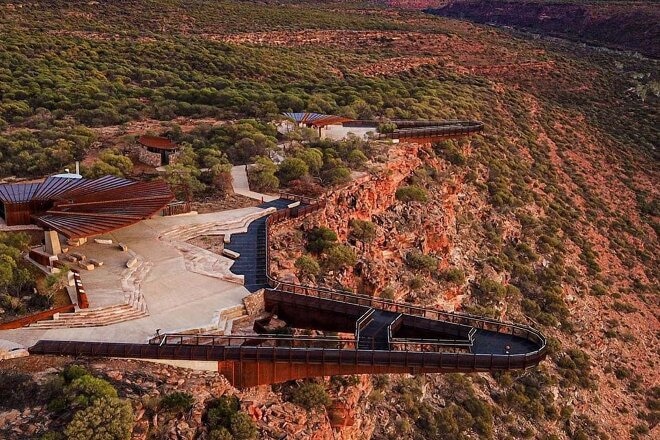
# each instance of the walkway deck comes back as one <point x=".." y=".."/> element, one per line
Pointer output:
<point x="242" y="186"/>
<point x="390" y="337"/>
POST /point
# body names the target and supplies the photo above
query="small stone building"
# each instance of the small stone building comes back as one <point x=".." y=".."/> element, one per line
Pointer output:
<point x="157" y="151"/>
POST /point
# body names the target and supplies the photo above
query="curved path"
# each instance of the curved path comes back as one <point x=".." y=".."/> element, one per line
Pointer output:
<point x="387" y="336"/>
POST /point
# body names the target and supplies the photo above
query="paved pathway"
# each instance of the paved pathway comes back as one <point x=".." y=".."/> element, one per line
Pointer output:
<point x="252" y="247"/>
<point x="241" y="186"/>
<point x="176" y="298"/>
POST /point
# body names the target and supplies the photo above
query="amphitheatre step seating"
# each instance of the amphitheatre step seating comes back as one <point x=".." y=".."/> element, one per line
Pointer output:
<point x="227" y="316"/>
<point x="93" y="317"/>
<point x="187" y="232"/>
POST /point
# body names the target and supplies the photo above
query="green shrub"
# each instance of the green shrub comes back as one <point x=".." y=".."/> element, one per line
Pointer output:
<point x="52" y="435"/>
<point x="388" y="293"/>
<point x="178" y="401"/>
<point x="489" y="292"/>
<point x="416" y="282"/>
<point x="363" y="230"/>
<point x="340" y="256"/>
<point x="243" y="427"/>
<point x="453" y="275"/>
<point x="221" y="410"/>
<point x="85" y="390"/>
<point x="411" y="193"/>
<point x="310" y="395"/>
<point x="73" y="372"/>
<point x="290" y="169"/>
<point x="419" y="261"/>
<point x="220" y="433"/>
<point x="336" y="175"/>
<point x="320" y="239"/>
<point x="307" y="265"/>
<point x="107" y="418"/>
<point x="624" y="307"/>
<point x="262" y="175"/>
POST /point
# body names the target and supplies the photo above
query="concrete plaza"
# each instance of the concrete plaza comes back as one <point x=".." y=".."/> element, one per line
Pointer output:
<point x="181" y="286"/>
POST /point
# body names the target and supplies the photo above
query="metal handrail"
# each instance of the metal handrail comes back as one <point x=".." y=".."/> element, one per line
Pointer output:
<point x="365" y="319"/>
<point x="385" y="304"/>
<point x="395" y="322"/>
<point x="221" y="340"/>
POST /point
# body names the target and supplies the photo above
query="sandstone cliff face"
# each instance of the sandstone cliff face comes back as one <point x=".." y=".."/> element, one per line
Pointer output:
<point x="143" y="383"/>
<point x="632" y="26"/>
<point x="401" y="227"/>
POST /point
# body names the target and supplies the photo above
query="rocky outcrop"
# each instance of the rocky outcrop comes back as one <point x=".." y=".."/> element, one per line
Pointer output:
<point x="632" y="26"/>
<point x="401" y="227"/>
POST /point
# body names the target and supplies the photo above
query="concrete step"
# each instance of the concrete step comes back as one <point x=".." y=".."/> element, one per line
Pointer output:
<point x="93" y="318"/>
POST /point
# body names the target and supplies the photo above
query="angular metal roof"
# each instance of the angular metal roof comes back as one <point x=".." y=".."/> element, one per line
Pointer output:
<point x="316" y="119"/>
<point x="160" y="143"/>
<point x="85" y="207"/>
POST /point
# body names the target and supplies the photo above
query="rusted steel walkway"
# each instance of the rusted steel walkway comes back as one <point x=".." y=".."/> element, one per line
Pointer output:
<point x="373" y="335"/>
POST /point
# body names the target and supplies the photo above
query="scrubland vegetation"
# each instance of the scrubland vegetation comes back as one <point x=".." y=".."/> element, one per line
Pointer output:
<point x="545" y="219"/>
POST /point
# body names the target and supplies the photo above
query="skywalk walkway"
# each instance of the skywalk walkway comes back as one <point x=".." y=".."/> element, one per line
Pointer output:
<point x="387" y="336"/>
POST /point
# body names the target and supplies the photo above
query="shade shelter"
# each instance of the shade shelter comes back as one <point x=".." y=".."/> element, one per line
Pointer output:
<point x="79" y="208"/>
<point x="157" y="151"/>
<point x="315" y="120"/>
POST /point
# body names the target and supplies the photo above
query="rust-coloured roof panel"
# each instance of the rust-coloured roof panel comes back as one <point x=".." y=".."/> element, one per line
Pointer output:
<point x="316" y="119"/>
<point x="85" y="207"/>
<point x="159" y="143"/>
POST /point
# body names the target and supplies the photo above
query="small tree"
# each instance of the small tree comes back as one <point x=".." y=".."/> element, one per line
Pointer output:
<point x="221" y="411"/>
<point x="105" y="419"/>
<point x="419" y="261"/>
<point x="262" y="175"/>
<point x="183" y="180"/>
<point x="340" y="256"/>
<point x="412" y="193"/>
<point x="177" y="401"/>
<point x="363" y="230"/>
<point x="87" y="389"/>
<point x="307" y="266"/>
<point x="221" y="177"/>
<point x="313" y="157"/>
<point x="220" y="433"/>
<point x="243" y="427"/>
<point x="291" y="168"/>
<point x="310" y="395"/>
<point x="320" y="239"/>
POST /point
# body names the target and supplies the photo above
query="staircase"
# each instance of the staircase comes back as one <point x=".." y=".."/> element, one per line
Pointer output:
<point x="96" y="317"/>
<point x="252" y="248"/>
<point x="374" y="335"/>
<point x="228" y="316"/>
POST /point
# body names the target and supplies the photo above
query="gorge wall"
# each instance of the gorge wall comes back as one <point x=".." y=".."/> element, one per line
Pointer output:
<point x="429" y="228"/>
<point x="617" y="25"/>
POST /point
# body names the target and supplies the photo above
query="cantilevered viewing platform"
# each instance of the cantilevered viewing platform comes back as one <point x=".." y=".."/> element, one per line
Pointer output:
<point x="375" y="335"/>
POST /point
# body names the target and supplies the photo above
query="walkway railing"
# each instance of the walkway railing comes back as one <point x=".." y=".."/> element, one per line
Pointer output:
<point x="404" y="354"/>
<point x="477" y="322"/>
<point x="363" y="321"/>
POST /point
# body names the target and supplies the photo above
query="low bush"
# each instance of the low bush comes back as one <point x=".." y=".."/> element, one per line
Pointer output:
<point x="177" y="401"/>
<point x="242" y="427"/>
<point x="419" y="261"/>
<point x="340" y="256"/>
<point x="106" y="419"/>
<point x="310" y="395"/>
<point x="307" y="266"/>
<point x="411" y="193"/>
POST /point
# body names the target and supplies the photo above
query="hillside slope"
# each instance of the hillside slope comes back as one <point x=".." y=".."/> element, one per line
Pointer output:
<point x="629" y="26"/>
<point x="550" y="217"/>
